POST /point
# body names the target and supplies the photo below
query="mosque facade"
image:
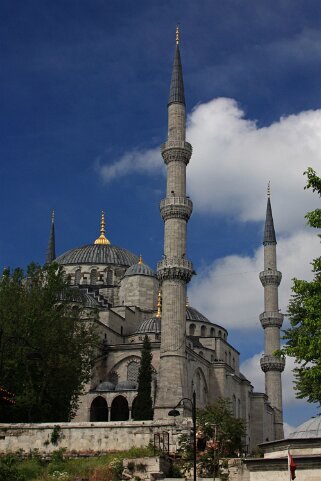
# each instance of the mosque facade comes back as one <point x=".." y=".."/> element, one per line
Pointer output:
<point x="190" y="352"/>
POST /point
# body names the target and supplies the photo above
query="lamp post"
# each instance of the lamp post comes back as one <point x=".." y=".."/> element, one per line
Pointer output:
<point x="174" y="412"/>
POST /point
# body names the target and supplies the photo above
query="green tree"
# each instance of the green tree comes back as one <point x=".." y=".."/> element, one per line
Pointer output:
<point x="47" y="339"/>
<point x="303" y="338"/>
<point x="143" y="404"/>
<point x="219" y="435"/>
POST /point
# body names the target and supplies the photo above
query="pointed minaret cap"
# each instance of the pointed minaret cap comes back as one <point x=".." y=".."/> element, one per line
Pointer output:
<point x="269" y="232"/>
<point x="51" y="251"/>
<point x="102" y="238"/>
<point x="176" y="93"/>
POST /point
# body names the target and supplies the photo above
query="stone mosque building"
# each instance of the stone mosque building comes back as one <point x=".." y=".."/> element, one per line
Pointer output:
<point x="190" y="352"/>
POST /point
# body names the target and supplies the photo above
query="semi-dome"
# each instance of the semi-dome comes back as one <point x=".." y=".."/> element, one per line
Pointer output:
<point x="126" y="386"/>
<point x="105" y="386"/>
<point x="98" y="254"/>
<point x="139" y="269"/>
<point x="309" y="429"/>
<point x="193" y="314"/>
<point x="152" y="325"/>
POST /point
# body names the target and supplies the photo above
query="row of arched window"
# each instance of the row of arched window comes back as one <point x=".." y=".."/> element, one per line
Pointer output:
<point x="107" y="277"/>
<point x="229" y="360"/>
<point x="206" y="331"/>
<point x="119" y="409"/>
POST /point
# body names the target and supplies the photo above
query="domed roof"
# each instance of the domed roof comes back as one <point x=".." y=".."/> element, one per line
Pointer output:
<point x="194" y="315"/>
<point x="150" y="325"/>
<point x="126" y="386"/>
<point x="105" y="386"/>
<point x="98" y="254"/>
<point x="309" y="429"/>
<point x="139" y="269"/>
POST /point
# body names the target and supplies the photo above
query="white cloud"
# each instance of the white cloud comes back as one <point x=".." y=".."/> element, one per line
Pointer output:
<point x="251" y="369"/>
<point x="229" y="291"/>
<point x="233" y="160"/>
<point x="136" y="161"/>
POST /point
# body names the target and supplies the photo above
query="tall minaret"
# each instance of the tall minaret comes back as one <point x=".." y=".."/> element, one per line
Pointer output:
<point x="271" y="320"/>
<point x="174" y="271"/>
<point x="51" y="250"/>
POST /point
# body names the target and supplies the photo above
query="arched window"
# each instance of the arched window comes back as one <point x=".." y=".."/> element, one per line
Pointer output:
<point x="109" y="277"/>
<point x="93" y="276"/>
<point x="212" y="332"/>
<point x="234" y="363"/>
<point x="226" y="357"/>
<point x="77" y="277"/>
<point x="219" y="334"/>
<point x="229" y="358"/>
<point x="203" y="331"/>
<point x="132" y="371"/>
<point x="99" y="410"/>
<point x="119" y="409"/>
<point x="192" y="329"/>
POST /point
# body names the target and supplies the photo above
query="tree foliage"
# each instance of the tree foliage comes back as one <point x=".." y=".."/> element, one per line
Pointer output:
<point x="143" y="404"/>
<point x="303" y="338"/>
<point x="47" y="339"/>
<point x="219" y="435"/>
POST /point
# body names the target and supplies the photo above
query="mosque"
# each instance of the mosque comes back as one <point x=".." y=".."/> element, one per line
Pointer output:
<point x="190" y="352"/>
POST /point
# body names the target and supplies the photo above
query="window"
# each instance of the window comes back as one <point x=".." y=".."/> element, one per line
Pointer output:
<point x="109" y="277"/>
<point x="77" y="277"/>
<point x="192" y="329"/>
<point x="203" y="331"/>
<point x="219" y="334"/>
<point x="212" y="332"/>
<point x="93" y="276"/>
<point x="132" y="371"/>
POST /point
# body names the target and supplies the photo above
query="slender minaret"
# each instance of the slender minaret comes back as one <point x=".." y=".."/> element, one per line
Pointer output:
<point x="51" y="250"/>
<point x="174" y="271"/>
<point x="271" y="320"/>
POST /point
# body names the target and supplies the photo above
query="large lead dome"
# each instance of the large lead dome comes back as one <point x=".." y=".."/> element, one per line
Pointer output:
<point x="98" y="254"/>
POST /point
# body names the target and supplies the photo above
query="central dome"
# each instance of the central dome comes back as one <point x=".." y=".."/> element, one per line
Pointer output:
<point x="98" y="254"/>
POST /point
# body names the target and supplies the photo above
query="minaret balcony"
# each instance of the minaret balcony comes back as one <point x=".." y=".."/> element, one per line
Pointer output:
<point x="176" y="151"/>
<point x="270" y="277"/>
<point x="176" y="207"/>
<point x="175" y="268"/>
<point x="272" y="363"/>
<point x="271" y="319"/>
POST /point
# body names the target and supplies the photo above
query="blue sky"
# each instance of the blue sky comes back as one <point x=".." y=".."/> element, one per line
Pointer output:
<point x="84" y="87"/>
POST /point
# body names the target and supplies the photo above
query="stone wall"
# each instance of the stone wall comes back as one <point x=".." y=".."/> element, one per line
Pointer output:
<point x="88" y="438"/>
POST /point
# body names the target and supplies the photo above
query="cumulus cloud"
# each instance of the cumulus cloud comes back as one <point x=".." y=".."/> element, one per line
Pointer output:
<point x="251" y="369"/>
<point x="229" y="291"/>
<point x="233" y="159"/>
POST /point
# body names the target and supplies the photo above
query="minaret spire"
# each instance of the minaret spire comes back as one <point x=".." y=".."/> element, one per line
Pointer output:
<point x="102" y="239"/>
<point x="271" y="320"/>
<point x="51" y="250"/>
<point x="175" y="270"/>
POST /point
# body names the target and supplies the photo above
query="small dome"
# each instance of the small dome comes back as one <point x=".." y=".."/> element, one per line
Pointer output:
<point x="193" y="314"/>
<point x="139" y="269"/>
<point x="152" y="325"/>
<point x="126" y="386"/>
<point x="105" y="386"/>
<point x="98" y="254"/>
<point x="309" y="429"/>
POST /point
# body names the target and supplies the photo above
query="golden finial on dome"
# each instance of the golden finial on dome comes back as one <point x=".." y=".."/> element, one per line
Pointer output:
<point x="159" y="305"/>
<point x="269" y="189"/>
<point x="140" y="261"/>
<point x="177" y="34"/>
<point x="102" y="238"/>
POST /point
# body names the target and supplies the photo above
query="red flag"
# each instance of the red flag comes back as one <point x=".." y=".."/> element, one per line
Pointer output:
<point x="292" y="466"/>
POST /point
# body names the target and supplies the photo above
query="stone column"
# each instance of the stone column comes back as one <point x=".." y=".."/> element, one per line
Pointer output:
<point x="271" y="320"/>
<point x="174" y="271"/>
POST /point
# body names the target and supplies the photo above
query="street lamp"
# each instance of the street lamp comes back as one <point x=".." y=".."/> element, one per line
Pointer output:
<point x="174" y="412"/>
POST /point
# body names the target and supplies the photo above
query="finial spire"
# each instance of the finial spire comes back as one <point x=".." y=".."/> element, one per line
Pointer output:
<point x="51" y="250"/>
<point x="269" y="232"/>
<point x="176" y="93"/>
<point x="140" y="261"/>
<point x="159" y="305"/>
<point x="269" y="189"/>
<point x="102" y="238"/>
